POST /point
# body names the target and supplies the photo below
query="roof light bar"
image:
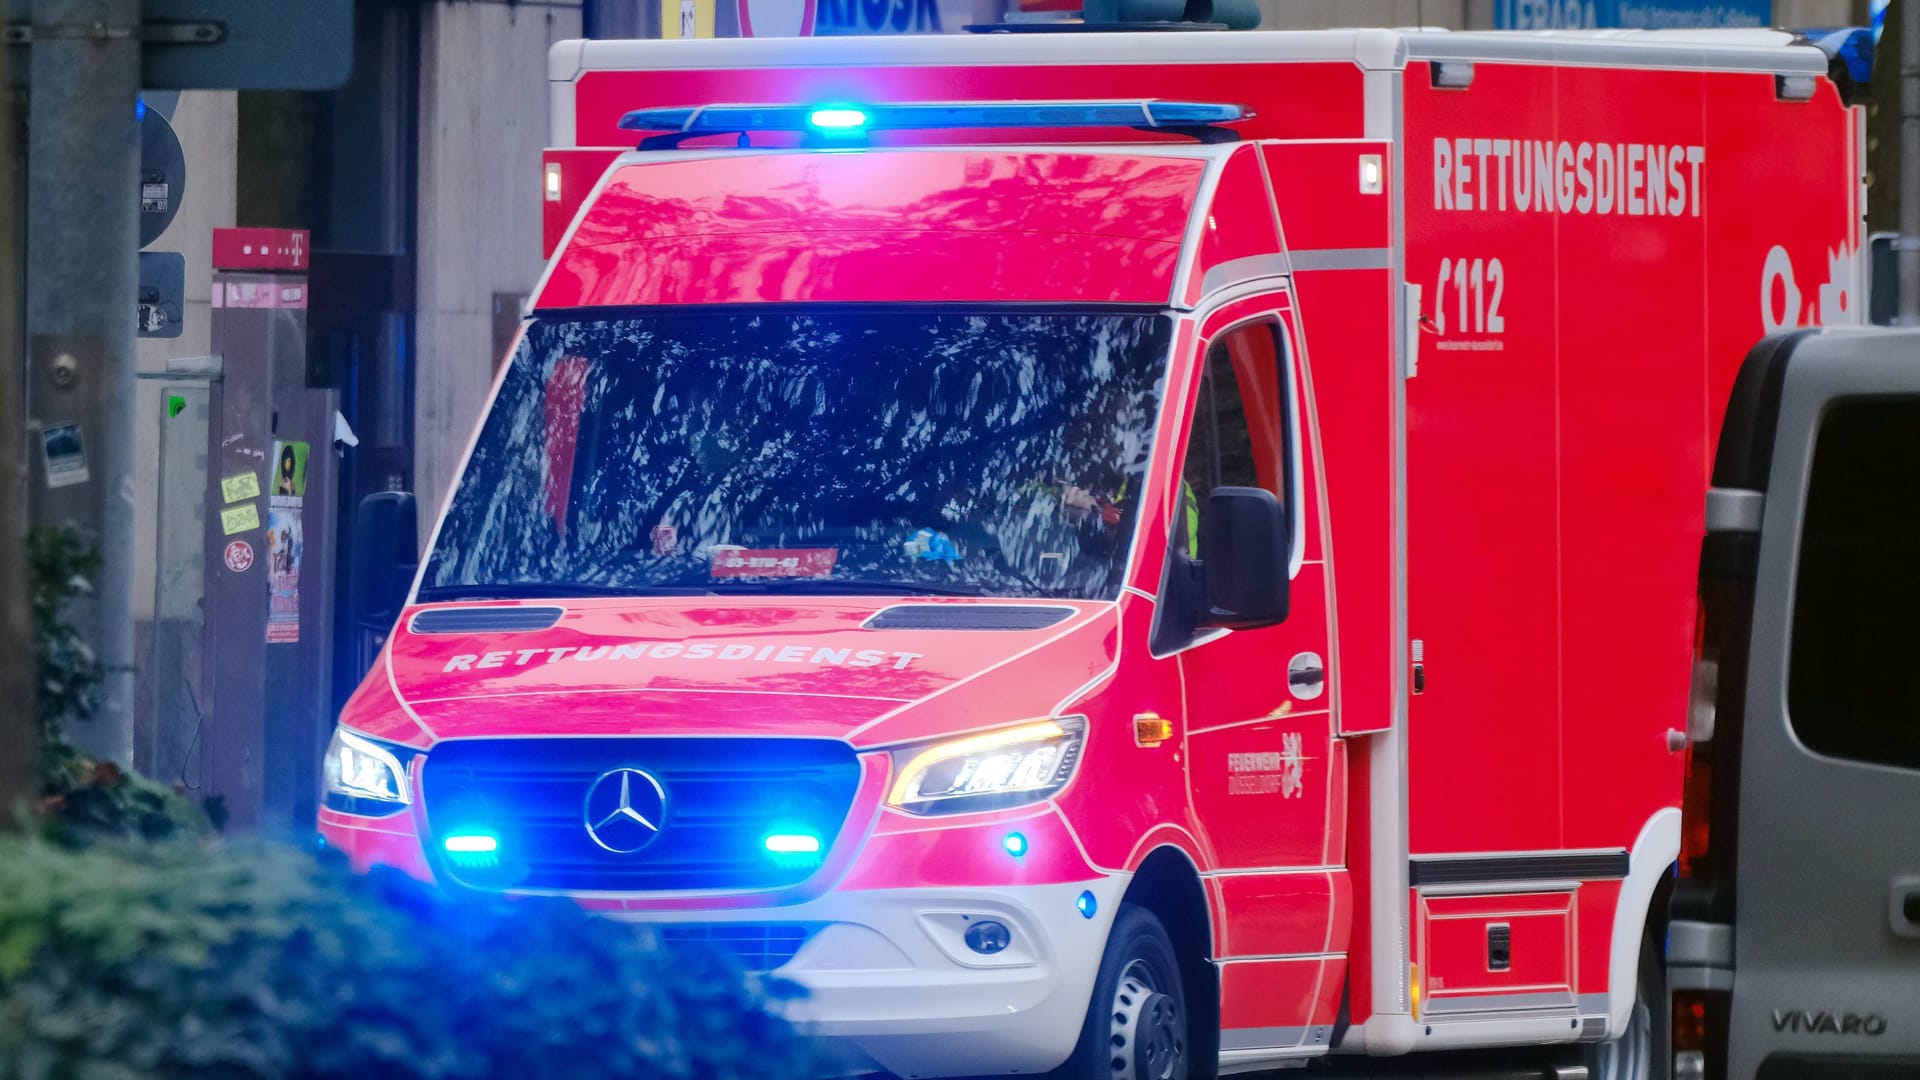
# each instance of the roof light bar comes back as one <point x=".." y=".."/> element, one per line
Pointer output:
<point x="854" y="119"/>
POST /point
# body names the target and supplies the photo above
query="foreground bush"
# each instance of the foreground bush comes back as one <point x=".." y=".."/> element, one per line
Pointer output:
<point x="218" y="960"/>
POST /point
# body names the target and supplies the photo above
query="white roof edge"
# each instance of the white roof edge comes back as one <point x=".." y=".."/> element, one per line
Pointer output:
<point x="1367" y="48"/>
<point x="565" y="60"/>
<point x="1765" y="51"/>
<point x="1754" y="50"/>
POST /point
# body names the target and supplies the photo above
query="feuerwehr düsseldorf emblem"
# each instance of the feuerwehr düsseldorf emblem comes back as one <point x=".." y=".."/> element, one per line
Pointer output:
<point x="625" y="809"/>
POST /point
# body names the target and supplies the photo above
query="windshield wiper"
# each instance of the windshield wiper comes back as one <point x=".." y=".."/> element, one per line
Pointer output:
<point x="549" y="590"/>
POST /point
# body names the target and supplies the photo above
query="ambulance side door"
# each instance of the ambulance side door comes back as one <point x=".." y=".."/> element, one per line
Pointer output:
<point x="1267" y="774"/>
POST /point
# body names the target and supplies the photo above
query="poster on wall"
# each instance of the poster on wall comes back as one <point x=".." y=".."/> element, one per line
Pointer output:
<point x="285" y="542"/>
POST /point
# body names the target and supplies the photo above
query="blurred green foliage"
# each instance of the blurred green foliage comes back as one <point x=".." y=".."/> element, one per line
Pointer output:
<point x="134" y="945"/>
<point x="253" y="960"/>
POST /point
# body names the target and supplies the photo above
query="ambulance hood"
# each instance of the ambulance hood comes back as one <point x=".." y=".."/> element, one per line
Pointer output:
<point x="871" y="670"/>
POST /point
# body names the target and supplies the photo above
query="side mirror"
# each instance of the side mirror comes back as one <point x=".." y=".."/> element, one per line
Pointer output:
<point x="1245" y="558"/>
<point x="386" y="552"/>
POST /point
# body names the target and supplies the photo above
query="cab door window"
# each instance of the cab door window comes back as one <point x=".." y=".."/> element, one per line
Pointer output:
<point x="1239" y="437"/>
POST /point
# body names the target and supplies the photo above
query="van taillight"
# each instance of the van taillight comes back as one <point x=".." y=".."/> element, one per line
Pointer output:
<point x="1696" y="806"/>
<point x="1699" y="1034"/>
<point x="1696" y="812"/>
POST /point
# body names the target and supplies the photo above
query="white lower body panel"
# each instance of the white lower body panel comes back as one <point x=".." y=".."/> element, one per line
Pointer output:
<point x="892" y="984"/>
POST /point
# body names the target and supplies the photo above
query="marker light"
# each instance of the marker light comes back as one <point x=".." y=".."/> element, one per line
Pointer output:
<point x="553" y="181"/>
<point x="837" y="119"/>
<point x="793" y="844"/>
<point x="1087" y="904"/>
<point x="1372" y="174"/>
<point x="1016" y="844"/>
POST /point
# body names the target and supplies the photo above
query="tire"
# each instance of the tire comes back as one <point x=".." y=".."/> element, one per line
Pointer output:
<point x="1137" y="1025"/>
<point x="1643" y="1051"/>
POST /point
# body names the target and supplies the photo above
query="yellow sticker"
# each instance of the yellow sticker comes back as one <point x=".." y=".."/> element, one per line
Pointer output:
<point x="244" y="486"/>
<point x="239" y="518"/>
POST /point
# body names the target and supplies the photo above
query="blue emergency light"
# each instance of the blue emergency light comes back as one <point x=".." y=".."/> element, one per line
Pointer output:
<point x="793" y="844"/>
<point x="854" y="120"/>
<point x="473" y="850"/>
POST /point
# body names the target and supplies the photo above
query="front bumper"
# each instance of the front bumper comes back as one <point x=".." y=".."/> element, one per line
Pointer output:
<point x="892" y="985"/>
<point x="890" y="981"/>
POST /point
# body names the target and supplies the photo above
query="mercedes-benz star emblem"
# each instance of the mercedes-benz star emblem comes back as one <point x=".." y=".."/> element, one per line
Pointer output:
<point x="624" y="810"/>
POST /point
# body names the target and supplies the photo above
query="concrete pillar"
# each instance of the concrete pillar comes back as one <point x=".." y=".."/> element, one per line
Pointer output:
<point x="483" y="123"/>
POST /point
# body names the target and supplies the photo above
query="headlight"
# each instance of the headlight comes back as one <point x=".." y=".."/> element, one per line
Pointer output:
<point x="985" y="772"/>
<point x="365" y="776"/>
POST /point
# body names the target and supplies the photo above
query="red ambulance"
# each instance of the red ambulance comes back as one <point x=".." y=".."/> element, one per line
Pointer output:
<point x="1138" y="554"/>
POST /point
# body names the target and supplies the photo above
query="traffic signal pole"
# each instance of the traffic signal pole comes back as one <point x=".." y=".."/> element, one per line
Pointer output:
<point x="83" y="171"/>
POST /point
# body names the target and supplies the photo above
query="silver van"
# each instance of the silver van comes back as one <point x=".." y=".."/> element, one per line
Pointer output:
<point x="1793" y="950"/>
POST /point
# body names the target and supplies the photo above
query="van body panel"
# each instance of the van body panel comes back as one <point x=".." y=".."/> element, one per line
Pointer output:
<point x="1826" y="970"/>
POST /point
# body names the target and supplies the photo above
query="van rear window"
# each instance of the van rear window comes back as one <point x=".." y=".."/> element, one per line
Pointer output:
<point x="992" y="453"/>
<point x="1851" y="685"/>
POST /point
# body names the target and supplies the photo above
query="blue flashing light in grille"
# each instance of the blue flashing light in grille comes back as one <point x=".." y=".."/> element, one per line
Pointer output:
<point x="1016" y="844"/>
<point x="793" y="848"/>
<point x="473" y="851"/>
<point x="853" y="119"/>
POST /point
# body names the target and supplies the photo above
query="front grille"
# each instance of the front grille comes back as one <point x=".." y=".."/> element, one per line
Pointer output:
<point x="758" y="946"/>
<point x="722" y="797"/>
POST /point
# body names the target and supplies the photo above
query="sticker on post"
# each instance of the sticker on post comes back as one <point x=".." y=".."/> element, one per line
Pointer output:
<point x="244" y="486"/>
<point x="240" y="518"/>
<point x="290" y="470"/>
<point x="239" y="556"/>
<point x="65" y="453"/>
<point x="774" y="562"/>
<point x="285" y="544"/>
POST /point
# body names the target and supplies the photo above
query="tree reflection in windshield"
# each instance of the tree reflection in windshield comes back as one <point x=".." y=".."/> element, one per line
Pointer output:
<point x="788" y="451"/>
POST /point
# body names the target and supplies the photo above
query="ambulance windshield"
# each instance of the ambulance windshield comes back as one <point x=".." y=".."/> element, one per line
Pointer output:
<point x="883" y="451"/>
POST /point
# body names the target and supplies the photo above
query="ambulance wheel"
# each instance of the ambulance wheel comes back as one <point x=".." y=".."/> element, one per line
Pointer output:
<point x="1136" y="1027"/>
<point x="1641" y="1052"/>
